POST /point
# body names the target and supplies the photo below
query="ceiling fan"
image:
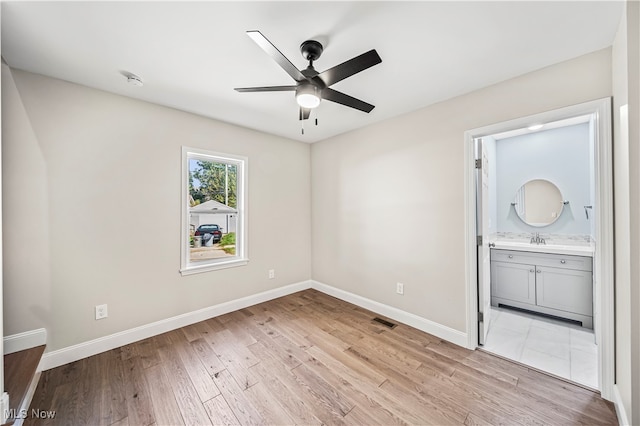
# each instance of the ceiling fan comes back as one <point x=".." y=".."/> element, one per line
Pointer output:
<point x="312" y="86"/>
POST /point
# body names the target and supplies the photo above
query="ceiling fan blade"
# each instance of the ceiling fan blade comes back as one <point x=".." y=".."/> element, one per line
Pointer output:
<point x="304" y="113"/>
<point x="266" y="89"/>
<point x="350" y="67"/>
<point x="277" y="56"/>
<point x="350" y="101"/>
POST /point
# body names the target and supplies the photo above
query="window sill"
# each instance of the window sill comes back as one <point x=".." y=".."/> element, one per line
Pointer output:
<point x="190" y="270"/>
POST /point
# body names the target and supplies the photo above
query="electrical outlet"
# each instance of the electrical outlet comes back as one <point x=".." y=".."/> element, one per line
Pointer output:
<point x="101" y="311"/>
<point x="399" y="288"/>
<point x="272" y="274"/>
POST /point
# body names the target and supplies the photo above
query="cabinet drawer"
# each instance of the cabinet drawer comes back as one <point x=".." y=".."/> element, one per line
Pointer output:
<point x="581" y="263"/>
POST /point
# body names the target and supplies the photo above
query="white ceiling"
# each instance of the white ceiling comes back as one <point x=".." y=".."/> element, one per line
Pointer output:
<point x="191" y="55"/>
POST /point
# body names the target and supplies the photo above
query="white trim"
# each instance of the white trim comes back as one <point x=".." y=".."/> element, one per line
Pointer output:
<point x="22" y="341"/>
<point x="241" y="258"/>
<point x="438" y="330"/>
<point x="600" y="109"/>
<point x="214" y="266"/>
<point x="26" y="401"/>
<point x="83" y="350"/>
<point x="623" y="419"/>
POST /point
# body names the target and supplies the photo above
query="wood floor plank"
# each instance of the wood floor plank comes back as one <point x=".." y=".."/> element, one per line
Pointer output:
<point x="269" y="407"/>
<point x="207" y="356"/>
<point x="238" y="327"/>
<point x="219" y="412"/>
<point x="432" y="381"/>
<point x="339" y="360"/>
<point x="236" y="360"/>
<point x="225" y="341"/>
<point x="65" y="403"/>
<point x="139" y="406"/>
<point x="391" y="354"/>
<point x="114" y="400"/>
<point x="416" y="350"/>
<point x="333" y="401"/>
<point x="191" y="332"/>
<point x="296" y="333"/>
<point x="128" y="351"/>
<point x="162" y="340"/>
<point x="547" y="412"/>
<point x="164" y="401"/>
<point x="121" y="422"/>
<point x="189" y="403"/>
<point x="473" y="420"/>
<point x="288" y="395"/>
<point x="356" y="391"/>
<point x="197" y="371"/>
<point x="429" y="409"/>
<point x="319" y="337"/>
<point x="147" y="352"/>
<point x="360" y="416"/>
<point x="243" y="409"/>
<point x="92" y="390"/>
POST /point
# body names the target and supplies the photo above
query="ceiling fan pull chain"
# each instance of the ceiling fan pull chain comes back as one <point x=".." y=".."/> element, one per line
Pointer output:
<point x="316" y="113"/>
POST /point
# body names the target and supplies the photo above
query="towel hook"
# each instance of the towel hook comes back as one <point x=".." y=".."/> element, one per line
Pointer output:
<point x="586" y="211"/>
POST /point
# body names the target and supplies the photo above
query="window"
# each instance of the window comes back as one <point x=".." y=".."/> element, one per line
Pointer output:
<point x="213" y="211"/>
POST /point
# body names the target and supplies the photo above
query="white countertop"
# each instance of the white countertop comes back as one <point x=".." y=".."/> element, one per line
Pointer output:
<point x="577" y="250"/>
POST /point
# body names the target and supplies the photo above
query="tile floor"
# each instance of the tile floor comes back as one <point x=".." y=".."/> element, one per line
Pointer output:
<point x="563" y="349"/>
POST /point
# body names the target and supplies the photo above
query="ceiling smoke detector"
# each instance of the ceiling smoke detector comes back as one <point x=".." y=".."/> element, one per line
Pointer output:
<point x="134" y="80"/>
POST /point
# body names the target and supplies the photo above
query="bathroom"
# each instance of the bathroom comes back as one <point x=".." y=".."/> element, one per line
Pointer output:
<point x="541" y="184"/>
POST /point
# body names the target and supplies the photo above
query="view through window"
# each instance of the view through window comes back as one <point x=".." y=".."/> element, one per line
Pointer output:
<point x="214" y="203"/>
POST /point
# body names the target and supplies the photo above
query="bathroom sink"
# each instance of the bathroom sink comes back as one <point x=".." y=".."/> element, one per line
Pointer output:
<point x="576" y="250"/>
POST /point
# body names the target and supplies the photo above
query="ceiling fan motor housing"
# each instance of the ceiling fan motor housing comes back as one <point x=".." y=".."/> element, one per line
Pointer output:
<point x="311" y="50"/>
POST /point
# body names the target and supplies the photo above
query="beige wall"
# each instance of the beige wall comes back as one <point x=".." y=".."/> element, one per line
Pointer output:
<point x="388" y="200"/>
<point x="91" y="186"/>
<point x="27" y="271"/>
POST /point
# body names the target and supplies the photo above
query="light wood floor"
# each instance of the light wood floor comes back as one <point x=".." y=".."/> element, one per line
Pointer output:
<point x="307" y="359"/>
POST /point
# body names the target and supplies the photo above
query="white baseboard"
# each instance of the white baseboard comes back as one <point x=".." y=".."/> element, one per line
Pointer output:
<point x="623" y="420"/>
<point x="22" y="341"/>
<point x="86" y="349"/>
<point x="438" y="330"/>
<point x="83" y="350"/>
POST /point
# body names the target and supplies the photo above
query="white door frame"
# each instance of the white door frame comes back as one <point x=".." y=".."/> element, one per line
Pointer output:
<point x="604" y="323"/>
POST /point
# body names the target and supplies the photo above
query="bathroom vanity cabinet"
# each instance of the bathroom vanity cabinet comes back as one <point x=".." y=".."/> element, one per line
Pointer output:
<point x="552" y="284"/>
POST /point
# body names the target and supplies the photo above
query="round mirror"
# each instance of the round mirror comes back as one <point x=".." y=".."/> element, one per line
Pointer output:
<point x="538" y="203"/>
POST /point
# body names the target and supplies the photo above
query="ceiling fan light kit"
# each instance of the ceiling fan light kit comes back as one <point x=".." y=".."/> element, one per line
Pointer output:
<point x="307" y="96"/>
<point x="312" y="86"/>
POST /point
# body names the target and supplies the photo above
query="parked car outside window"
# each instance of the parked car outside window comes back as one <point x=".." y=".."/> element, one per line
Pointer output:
<point x="212" y="229"/>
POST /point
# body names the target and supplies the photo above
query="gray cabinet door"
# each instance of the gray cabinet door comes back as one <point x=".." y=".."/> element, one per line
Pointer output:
<point x="564" y="289"/>
<point x="513" y="281"/>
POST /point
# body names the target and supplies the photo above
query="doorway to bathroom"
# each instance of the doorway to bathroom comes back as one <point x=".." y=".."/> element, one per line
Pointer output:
<point x="539" y="242"/>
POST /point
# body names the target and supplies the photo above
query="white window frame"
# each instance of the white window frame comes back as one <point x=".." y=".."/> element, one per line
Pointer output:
<point x="241" y="258"/>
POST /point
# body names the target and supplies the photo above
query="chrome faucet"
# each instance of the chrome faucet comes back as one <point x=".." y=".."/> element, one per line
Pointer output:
<point x="535" y="239"/>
